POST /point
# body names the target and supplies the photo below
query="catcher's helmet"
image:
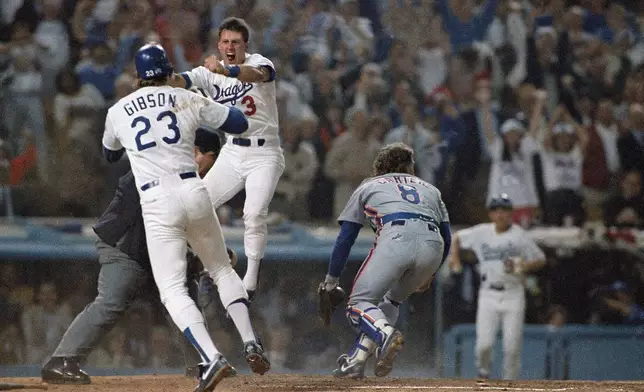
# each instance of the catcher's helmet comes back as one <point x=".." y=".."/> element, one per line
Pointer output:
<point x="500" y="201"/>
<point x="152" y="61"/>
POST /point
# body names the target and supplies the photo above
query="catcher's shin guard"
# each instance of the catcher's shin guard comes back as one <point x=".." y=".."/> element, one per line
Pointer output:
<point x="377" y="328"/>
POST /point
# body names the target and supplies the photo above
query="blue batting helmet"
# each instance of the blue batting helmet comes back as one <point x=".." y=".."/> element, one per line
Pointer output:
<point x="500" y="201"/>
<point x="152" y="61"/>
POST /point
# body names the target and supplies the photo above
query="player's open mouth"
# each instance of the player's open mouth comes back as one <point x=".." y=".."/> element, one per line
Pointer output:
<point x="231" y="57"/>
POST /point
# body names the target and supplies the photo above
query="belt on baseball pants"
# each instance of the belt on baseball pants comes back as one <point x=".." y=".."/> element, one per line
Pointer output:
<point x="400" y="218"/>
<point x="241" y="141"/>
<point x="183" y="176"/>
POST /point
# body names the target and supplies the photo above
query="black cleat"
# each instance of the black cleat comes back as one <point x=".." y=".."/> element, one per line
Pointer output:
<point x="254" y="353"/>
<point x="64" y="370"/>
<point x="212" y="374"/>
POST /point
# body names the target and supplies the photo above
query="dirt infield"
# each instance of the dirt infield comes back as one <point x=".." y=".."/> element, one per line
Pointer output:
<point x="286" y="383"/>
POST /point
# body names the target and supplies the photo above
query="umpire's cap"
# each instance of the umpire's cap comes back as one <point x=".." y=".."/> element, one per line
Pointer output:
<point x="207" y="141"/>
<point x="500" y="201"/>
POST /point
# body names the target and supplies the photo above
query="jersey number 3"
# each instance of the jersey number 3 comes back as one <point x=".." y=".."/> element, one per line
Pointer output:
<point x="409" y="193"/>
<point x="141" y="145"/>
<point x="249" y="102"/>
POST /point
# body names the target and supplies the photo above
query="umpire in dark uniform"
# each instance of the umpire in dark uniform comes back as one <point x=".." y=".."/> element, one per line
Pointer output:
<point x="125" y="272"/>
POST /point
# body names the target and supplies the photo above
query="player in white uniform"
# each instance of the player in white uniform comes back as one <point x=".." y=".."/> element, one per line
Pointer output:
<point x="254" y="159"/>
<point x="156" y="125"/>
<point x="505" y="254"/>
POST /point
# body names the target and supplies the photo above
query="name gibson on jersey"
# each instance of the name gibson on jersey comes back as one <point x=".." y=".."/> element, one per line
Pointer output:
<point x="149" y="101"/>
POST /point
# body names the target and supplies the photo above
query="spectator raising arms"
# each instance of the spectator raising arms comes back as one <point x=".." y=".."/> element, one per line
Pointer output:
<point x="562" y="156"/>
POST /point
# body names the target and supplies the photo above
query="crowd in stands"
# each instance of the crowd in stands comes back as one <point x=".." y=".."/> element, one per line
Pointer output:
<point x="538" y="99"/>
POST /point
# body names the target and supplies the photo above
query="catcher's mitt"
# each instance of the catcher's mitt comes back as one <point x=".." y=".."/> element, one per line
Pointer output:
<point x="329" y="301"/>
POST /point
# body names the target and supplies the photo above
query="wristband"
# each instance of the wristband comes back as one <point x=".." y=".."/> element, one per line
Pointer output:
<point x="233" y="70"/>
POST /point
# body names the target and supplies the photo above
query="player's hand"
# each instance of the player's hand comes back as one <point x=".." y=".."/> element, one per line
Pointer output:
<point x="330" y="296"/>
<point x="212" y="63"/>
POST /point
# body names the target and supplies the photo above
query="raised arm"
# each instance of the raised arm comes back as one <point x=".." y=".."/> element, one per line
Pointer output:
<point x="245" y="73"/>
<point x="580" y="131"/>
<point x="537" y="110"/>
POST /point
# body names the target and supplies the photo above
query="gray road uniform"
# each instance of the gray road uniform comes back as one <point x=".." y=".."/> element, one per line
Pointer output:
<point x="406" y="213"/>
<point x="501" y="301"/>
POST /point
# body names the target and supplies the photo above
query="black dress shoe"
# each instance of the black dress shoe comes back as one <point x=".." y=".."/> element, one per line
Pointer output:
<point x="64" y="370"/>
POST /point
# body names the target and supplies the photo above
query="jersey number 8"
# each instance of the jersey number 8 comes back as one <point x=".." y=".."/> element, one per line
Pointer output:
<point x="409" y="193"/>
<point x="141" y="145"/>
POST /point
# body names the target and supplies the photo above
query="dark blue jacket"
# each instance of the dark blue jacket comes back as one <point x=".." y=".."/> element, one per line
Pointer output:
<point x="121" y="225"/>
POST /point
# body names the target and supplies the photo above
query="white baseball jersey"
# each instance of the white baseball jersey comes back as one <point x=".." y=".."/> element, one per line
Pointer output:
<point x="492" y="248"/>
<point x="156" y="126"/>
<point x="256" y="100"/>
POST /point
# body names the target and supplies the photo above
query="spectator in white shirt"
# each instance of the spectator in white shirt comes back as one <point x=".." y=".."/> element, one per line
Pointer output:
<point x="75" y="110"/>
<point x="52" y="33"/>
<point x="512" y="170"/>
<point x="562" y="156"/>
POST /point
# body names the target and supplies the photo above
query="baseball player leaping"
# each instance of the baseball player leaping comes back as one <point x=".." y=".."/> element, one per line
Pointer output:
<point x="254" y="159"/>
<point x="505" y="253"/>
<point x="156" y="126"/>
<point x="412" y="241"/>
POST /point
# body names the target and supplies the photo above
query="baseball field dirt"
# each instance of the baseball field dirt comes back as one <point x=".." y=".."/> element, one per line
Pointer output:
<point x="286" y="383"/>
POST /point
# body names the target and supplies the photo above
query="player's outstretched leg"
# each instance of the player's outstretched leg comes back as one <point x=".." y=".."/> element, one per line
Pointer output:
<point x="352" y="365"/>
<point x="374" y="323"/>
<point x="208" y="243"/>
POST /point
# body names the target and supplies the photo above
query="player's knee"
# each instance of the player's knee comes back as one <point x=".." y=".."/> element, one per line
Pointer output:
<point x="230" y="287"/>
<point x="390" y="309"/>
<point x="174" y="290"/>
<point x="255" y="219"/>
<point x="111" y="307"/>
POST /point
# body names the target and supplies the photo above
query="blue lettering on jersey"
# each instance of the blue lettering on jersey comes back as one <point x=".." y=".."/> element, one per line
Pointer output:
<point x="231" y="93"/>
<point x="501" y="252"/>
<point x="403" y="180"/>
<point x="150" y="101"/>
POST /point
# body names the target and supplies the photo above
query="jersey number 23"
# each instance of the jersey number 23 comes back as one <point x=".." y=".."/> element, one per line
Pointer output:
<point x="163" y="116"/>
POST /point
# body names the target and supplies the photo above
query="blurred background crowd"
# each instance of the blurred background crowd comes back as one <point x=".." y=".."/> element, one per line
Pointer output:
<point x="540" y="99"/>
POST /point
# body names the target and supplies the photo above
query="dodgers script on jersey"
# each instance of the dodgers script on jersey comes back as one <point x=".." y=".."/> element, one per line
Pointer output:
<point x="256" y="100"/>
<point x="148" y="124"/>
<point x="392" y="193"/>
<point x="492" y="248"/>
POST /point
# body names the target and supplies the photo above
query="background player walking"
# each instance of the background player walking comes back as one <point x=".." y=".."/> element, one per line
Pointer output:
<point x="156" y="125"/>
<point x="254" y="159"/>
<point x="505" y="254"/>
<point x="412" y="240"/>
